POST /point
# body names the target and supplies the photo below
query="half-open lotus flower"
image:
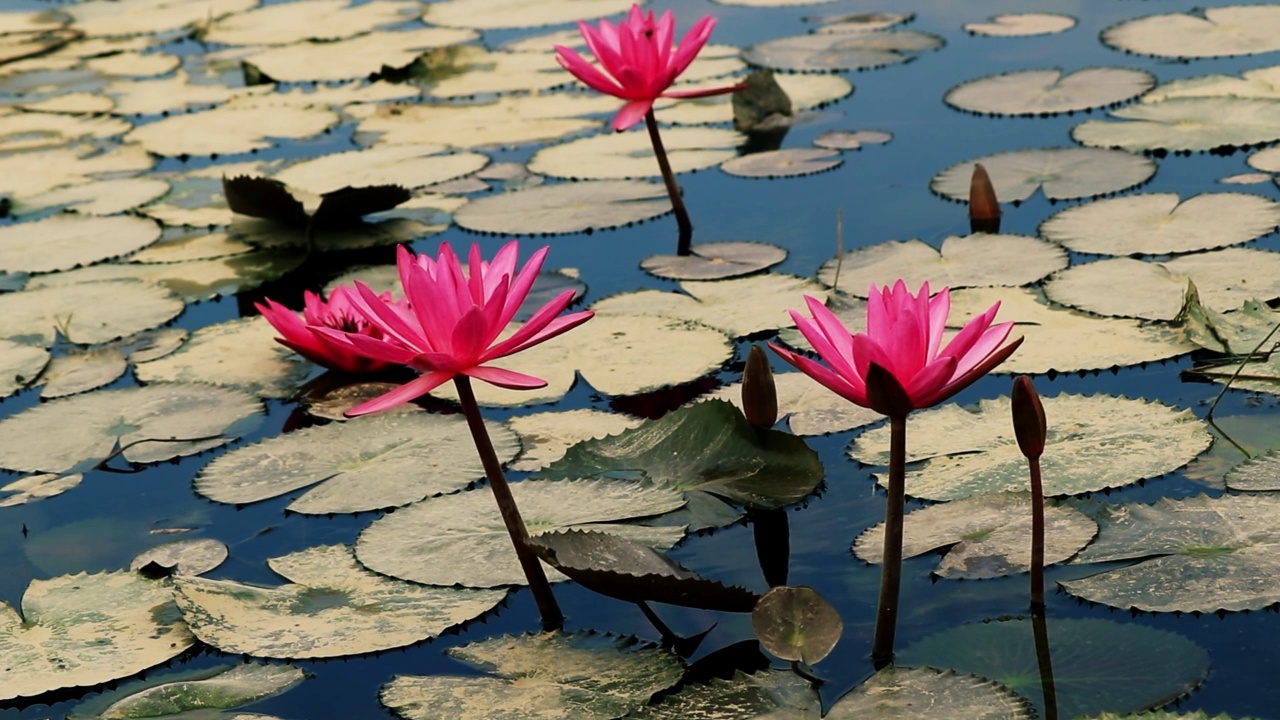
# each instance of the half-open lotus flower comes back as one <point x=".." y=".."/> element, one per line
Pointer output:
<point x="638" y="61"/>
<point x="453" y="320"/>
<point x="904" y="338"/>
<point x="303" y="336"/>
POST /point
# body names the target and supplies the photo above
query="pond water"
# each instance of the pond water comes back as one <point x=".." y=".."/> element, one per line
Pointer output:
<point x="883" y="194"/>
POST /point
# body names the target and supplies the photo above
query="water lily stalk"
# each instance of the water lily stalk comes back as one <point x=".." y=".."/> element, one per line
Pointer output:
<point x="1040" y="628"/>
<point x="891" y="566"/>
<point x="1031" y="430"/>
<point x="685" y="242"/>
<point x="552" y="618"/>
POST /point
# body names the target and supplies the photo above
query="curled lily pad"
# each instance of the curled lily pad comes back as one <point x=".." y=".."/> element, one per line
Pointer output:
<point x="1060" y="173"/>
<point x="332" y="607"/>
<point x="791" y="162"/>
<point x="222" y="688"/>
<point x="565" y="208"/>
<point x="1094" y="442"/>
<point x="796" y="623"/>
<point x="1049" y="92"/>
<point x="715" y="261"/>
<point x="584" y="675"/>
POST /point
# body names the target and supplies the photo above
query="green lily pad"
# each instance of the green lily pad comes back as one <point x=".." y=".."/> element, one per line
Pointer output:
<point x="565" y="208"/>
<point x="461" y="540"/>
<point x="1198" y="554"/>
<point x="616" y="156"/>
<point x="583" y="676"/>
<point x="222" y="688"/>
<point x="547" y="435"/>
<point x="1209" y="32"/>
<point x="837" y="51"/>
<point x="83" y="630"/>
<point x="239" y="353"/>
<point x="1049" y="92"/>
<point x="1060" y="173"/>
<point x="88" y="313"/>
<point x="986" y="535"/>
<point x="1094" y="442"/>
<point x="332" y="607"/>
<point x="707" y="448"/>
<point x="797" y="624"/>
<point x="1097" y="664"/>
<point x="809" y="407"/>
<point x="1185" y="124"/>
<point x="368" y="463"/>
<point x="152" y="423"/>
<point x="972" y="261"/>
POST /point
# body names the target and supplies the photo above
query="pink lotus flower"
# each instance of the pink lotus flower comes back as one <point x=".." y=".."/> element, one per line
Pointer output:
<point x="904" y="337"/>
<point x="640" y="63"/>
<point x="303" y="336"/>
<point x="452" y="321"/>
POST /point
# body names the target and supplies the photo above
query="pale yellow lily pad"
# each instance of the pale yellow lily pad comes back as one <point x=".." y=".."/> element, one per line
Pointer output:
<point x="1210" y="32"/>
<point x="498" y="14"/>
<point x="1022" y="25"/>
<point x="20" y="363"/>
<point x="565" y="208"/>
<point x="1185" y="125"/>
<point x="286" y="24"/>
<point x="34" y="130"/>
<point x="174" y="93"/>
<point x="1049" y="92"/>
<point x="105" y="197"/>
<point x="808" y="407"/>
<point x="630" y="154"/>
<point x="28" y="174"/>
<point x="31" y="488"/>
<point x="790" y="162"/>
<point x="238" y="353"/>
<point x="145" y="17"/>
<point x="409" y="166"/>
<point x="352" y="58"/>
<point x="501" y="122"/>
<point x="1060" y="173"/>
<point x="547" y="435"/>
<point x="190" y="556"/>
<point x="88" y="313"/>
<point x="81" y="371"/>
<point x="230" y="130"/>
<point x="190" y="280"/>
<point x="65" y="241"/>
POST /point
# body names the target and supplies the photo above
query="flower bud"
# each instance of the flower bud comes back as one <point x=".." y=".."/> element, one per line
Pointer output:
<point x="984" y="207"/>
<point x="885" y="394"/>
<point x="1028" y="418"/>
<point x="759" y="395"/>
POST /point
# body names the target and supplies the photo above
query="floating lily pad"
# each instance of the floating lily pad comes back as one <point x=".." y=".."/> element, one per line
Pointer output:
<point x="27" y="131"/>
<point x="57" y="641"/>
<point x="850" y="139"/>
<point x="88" y="313"/>
<point x="1094" y="443"/>
<point x="766" y="694"/>
<point x="707" y="447"/>
<point x="368" y="463"/>
<point x="37" y="487"/>
<point x="1060" y="173"/>
<point x="1209" y="32"/>
<point x="1238" y="332"/>
<point x="987" y="535"/>
<point x="239" y="353"/>
<point x="1159" y="223"/>
<point x="616" y="156"/>
<point x="1259" y="473"/>
<point x="806" y="92"/>
<point x="222" y="688"/>
<point x="1256" y="83"/>
<point x="331" y="404"/>
<point x="1022" y="25"/>
<point x="584" y="675"/>
<point x="332" y="608"/>
<point x="796" y="623"/>
<point x="145" y="17"/>
<point x="836" y="51"/>
<point x="1198" y="554"/>
<point x="565" y="208"/>
<point x="151" y="423"/>
<point x="971" y="261"/>
<point x="497" y="14"/>
<point x="715" y="261"/>
<point x="1185" y="124"/>
<point x="317" y="20"/>
<point x="461" y="540"/>
<point x="352" y="58"/>
<point x="105" y="197"/>
<point x="409" y="166"/>
<point x="229" y="130"/>
<point x="78" y="372"/>
<point x="19" y="365"/>
<point x="791" y="162"/>
<point x="1133" y="288"/>
<point x="1097" y="664"/>
<point x="500" y="122"/>
<point x="1049" y="92"/>
<point x="29" y="174"/>
<point x="546" y="436"/>
<point x="1066" y="340"/>
<point x="192" y="556"/>
<point x="809" y="408"/>
<point x="633" y="572"/>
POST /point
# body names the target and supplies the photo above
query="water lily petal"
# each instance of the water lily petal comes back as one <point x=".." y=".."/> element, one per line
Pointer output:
<point x="630" y="114"/>
<point x="506" y="378"/>
<point x="411" y="390"/>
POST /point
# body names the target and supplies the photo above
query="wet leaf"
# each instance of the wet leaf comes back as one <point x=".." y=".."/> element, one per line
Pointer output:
<point x="1060" y="173"/>
<point x="796" y="623"/>
<point x="222" y="688"/>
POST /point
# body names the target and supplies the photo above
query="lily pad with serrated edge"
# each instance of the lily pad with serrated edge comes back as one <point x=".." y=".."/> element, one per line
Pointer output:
<point x="986" y="535"/>
<point x="37" y="487"/>
<point x="368" y="463"/>
<point x="630" y="571"/>
<point x="547" y="435"/>
<point x="972" y="261"/>
<point x="501" y="14"/>
<point x="78" y="372"/>
<point x="565" y="208"/>
<point x="333" y="607"/>
<point x="1097" y="664"/>
<point x="145" y="17"/>
<point x="851" y="139"/>
<point x="708" y="448"/>
<point x="1185" y="125"/>
<point x="352" y="58"/>
<point x="1209" y="32"/>
<point x="1258" y="473"/>
<point x="228" y="130"/>
<point x="88" y="313"/>
<point x="617" y="156"/>
<point x="57" y="642"/>
<point x="1236" y="438"/>
<point x="585" y="676"/>
<point x="791" y="162"/>
<point x="738" y="307"/>
<point x="1094" y="443"/>
<point x="1060" y="173"/>
<point x="31" y="173"/>
<point x="1049" y="92"/>
<point x="1262" y="83"/>
<point x="1197" y="554"/>
<point x="1159" y="223"/>
<point x="239" y="353"/>
<point x="796" y="623"/>
<point x="192" y="246"/>
<point x="715" y="261"/>
<point x="1022" y="25"/>
<point x="332" y="404"/>
<point x="837" y="51"/>
<point x="1064" y="340"/>
<point x="33" y="130"/>
<point x="1126" y="287"/>
<point x="460" y="539"/>
<point x="191" y="556"/>
<point x="321" y="20"/>
<point x="766" y="694"/>
<point x="1164" y="715"/>
<point x="19" y="365"/>
<point x="151" y="423"/>
<point x="175" y="695"/>
<point x="809" y="408"/>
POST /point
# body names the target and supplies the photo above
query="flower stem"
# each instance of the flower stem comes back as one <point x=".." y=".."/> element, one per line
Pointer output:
<point x="684" y="245"/>
<point x="552" y="618"/>
<point x="1037" y="538"/>
<point x="1040" y="628"/>
<point x="891" y="569"/>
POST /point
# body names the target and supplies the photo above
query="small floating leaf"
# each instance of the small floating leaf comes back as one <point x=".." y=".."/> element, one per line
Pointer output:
<point x="791" y="162"/>
<point x="796" y="623"/>
<point x="192" y="556"/>
<point x="835" y="51"/>
<point x="715" y="261"/>
<point x="1022" y="25"/>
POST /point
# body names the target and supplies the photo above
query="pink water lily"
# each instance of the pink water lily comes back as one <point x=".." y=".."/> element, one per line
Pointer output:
<point x="303" y="335"/>
<point x="451" y="323"/>
<point x="639" y="61"/>
<point x="903" y="336"/>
